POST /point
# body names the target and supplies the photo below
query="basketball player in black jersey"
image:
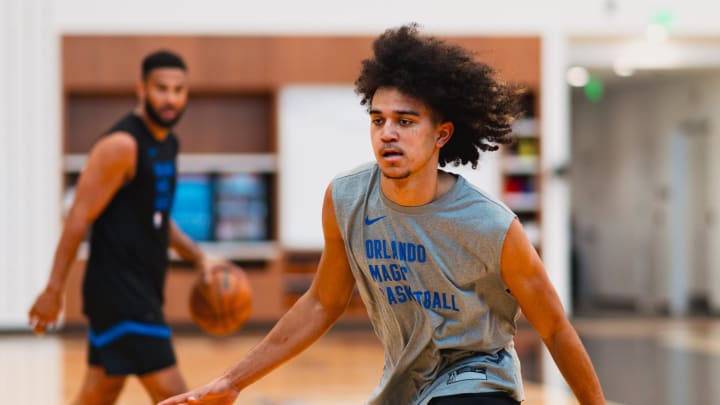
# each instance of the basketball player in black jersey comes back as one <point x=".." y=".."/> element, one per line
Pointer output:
<point x="125" y="193"/>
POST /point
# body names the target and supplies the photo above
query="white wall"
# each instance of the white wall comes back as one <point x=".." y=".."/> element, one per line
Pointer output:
<point x="613" y="188"/>
<point x="589" y="17"/>
<point x="623" y="183"/>
<point x="554" y="157"/>
<point x="323" y="130"/>
<point x="29" y="154"/>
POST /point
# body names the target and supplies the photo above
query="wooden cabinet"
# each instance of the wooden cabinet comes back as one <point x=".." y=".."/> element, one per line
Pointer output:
<point x="240" y="227"/>
<point x="298" y="272"/>
<point x="226" y="186"/>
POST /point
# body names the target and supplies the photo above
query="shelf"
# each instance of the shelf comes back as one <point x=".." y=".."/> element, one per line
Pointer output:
<point x="520" y="165"/>
<point x="520" y="168"/>
<point x="532" y="230"/>
<point x="521" y="202"/>
<point x="74" y="163"/>
<point x="525" y="128"/>
<point x="241" y="250"/>
<point x="231" y="163"/>
<point x="202" y="163"/>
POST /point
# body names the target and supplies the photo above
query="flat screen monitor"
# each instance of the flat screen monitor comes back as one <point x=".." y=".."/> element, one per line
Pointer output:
<point x="193" y="206"/>
<point x="241" y="207"/>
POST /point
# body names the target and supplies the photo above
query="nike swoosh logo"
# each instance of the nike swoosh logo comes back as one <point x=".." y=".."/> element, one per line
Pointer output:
<point x="369" y="221"/>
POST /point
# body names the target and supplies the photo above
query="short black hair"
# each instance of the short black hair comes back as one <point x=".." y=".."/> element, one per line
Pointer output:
<point x="451" y="83"/>
<point x="161" y="59"/>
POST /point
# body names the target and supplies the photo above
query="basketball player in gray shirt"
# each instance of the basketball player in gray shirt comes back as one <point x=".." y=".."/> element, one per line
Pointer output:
<point x="442" y="268"/>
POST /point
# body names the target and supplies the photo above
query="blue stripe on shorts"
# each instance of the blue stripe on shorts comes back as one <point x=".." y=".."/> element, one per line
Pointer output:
<point x="128" y="328"/>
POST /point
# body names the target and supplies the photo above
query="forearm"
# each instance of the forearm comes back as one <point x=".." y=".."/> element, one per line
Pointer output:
<point x="65" y="253"/>
<point x="302" y="325"/>
<point x="574" y="363"/>
<point x="184" y="246"/>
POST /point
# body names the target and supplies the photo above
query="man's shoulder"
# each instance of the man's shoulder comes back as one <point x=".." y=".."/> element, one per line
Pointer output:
<point x="350" y="185"/>
<point x="358" y="175"/>
<point x="486" y="199"/>
<point x="128" y="123"/>
<point x="116" y="142"/>
<point x="364" y="170"/>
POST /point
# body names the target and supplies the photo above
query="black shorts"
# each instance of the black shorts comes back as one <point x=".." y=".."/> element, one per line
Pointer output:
<point x="131" y="354"/>
<point x="494" y="398"/>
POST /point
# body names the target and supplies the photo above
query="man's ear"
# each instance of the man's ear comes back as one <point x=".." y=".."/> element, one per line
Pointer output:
<point x="140" y="91"/>
<point x="445" y="131"/>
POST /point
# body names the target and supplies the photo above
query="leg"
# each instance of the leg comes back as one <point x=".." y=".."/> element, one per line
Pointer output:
<point x="98" y="388"/>
<point x="156" y="367"/>
<point x="163" y="383"/>
<point x="151" y="358"/>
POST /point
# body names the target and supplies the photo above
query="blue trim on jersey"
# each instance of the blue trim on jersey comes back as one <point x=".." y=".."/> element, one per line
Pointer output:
<point x="128" y="328"/>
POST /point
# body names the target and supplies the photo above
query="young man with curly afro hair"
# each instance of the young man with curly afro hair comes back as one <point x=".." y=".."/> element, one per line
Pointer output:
<point x="443" y="268"/>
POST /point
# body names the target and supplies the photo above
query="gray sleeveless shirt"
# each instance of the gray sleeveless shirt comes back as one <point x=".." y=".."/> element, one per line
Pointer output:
<point x="430" y="279"/>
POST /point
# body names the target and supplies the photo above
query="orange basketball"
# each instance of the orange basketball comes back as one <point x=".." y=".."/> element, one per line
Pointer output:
<point x="223" y="304"/>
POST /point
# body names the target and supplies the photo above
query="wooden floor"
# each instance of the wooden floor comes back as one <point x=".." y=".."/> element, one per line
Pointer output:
<point x="342" y="368"/>
<point x="639" y="361"/>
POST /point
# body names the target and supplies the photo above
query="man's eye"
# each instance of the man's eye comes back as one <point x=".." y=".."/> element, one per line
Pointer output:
<point x="377" y="121"/>
<point x="405" y="122"/>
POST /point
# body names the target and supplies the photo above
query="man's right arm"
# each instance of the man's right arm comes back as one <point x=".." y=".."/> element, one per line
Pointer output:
<point x="110" y="164"/>
<point x="308" y="319"/>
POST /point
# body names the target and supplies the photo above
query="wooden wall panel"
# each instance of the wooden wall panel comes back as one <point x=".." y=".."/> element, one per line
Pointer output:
<point x="516" y="59"/>
<point x="227" y="124"/>
<point x="89" y="117"/>
<point x="112" y="63"/>
<point x="212" y="124"/>
<point x="317" y="59"/>
<point x="223" y="64"/>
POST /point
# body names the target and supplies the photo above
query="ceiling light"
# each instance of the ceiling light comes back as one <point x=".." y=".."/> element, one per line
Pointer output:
<point x="577" y="76"/>
<point x="656" y="33"/>
<point x="622" y="68"/>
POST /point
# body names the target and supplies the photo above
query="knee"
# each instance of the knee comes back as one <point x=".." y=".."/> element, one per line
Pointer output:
<point x="164" y="384"/>
<point x="161" y="392"/>
<point x="100" y="392"/>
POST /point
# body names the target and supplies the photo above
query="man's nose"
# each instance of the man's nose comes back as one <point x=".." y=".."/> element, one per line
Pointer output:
<point x="389" y="132"/>
<point x="173" y="97"/>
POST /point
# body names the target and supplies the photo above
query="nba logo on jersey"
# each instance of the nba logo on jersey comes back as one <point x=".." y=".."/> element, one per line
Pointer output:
<point x="157" y="219"/>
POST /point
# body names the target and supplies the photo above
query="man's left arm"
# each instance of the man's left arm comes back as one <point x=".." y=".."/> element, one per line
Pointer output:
<point x="188" y="250"/>
<point x="524" y="274"/>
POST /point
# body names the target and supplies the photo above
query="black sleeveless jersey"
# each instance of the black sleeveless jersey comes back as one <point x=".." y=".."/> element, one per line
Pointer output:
<point x="128" y="259"/>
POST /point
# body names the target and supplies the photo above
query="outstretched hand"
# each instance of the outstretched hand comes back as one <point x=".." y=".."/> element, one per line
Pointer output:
<point x="217" y="392"/>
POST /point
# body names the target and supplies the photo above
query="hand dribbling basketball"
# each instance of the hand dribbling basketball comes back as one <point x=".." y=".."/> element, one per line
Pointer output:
<point x="221" y="299"/>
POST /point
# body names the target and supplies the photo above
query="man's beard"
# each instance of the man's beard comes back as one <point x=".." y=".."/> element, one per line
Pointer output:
<point x="403" y="175"/>
<point x="155" y="117"/>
